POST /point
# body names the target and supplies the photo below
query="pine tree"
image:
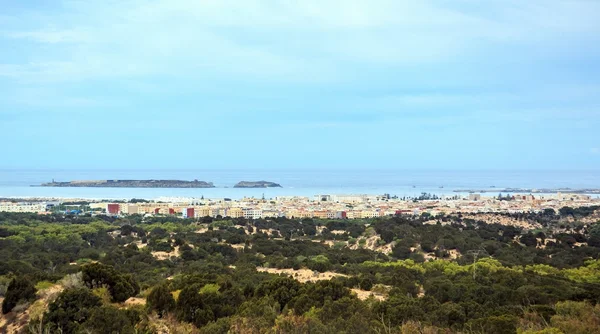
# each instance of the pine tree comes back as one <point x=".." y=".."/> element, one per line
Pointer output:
<point x="161" y="300"/>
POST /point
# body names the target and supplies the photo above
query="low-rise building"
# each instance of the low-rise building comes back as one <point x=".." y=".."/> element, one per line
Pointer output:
<point x="188" y="213"/>
<point x="474" y="197"/>
<point x="251" y="213"/>
<point x="23" y="207"/>
<point x="235" y="212"/>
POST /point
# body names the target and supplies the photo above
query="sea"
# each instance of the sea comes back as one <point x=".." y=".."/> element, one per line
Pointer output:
<point x="22" y="183"/>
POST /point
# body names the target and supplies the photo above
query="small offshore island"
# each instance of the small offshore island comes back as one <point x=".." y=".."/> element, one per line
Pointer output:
<point x="132" y="184"/>
<point x="257" y="184"/>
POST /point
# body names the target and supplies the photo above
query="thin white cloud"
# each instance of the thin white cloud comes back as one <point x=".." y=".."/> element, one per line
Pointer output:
<point x="51" y="36"/>
<point x="333" y="43"/>
<point x="54" y="97"/>
<point x="278" y="41"/>
<point x="437" y="100"/>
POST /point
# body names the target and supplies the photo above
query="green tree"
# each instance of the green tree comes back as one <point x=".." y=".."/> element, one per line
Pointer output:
<point x="528" y="239"/>
<point x="450" y="314"/>
<point x="401" y="251"/>
<point x="566" y="211"/>
<point x="504" y="324"/>
<point x="161" y="300"/>
<point x="70" y="310"/>
<point x="282" y="289"/>
<point x="20" y="288"/>
<point x="109" y="320"/>
<point x="594" y="239"/>
<point x="191" y="307"/>
<point x="121" y="287"/>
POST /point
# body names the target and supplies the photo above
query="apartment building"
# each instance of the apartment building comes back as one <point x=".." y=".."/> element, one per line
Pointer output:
<point x="188" y="213"/>
<point x="251" y="213"/>
<point x="319" y="214"/>
<point x="235" y="212"/>
<point x="129" y="209"/>
<point x="23" y="207"/>
<point x="369" y="214"/>
<point x="203" y="211"/>
<point x="271" y="213"/>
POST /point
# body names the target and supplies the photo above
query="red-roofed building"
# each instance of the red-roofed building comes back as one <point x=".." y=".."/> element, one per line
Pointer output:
<point x="112" y="209"/>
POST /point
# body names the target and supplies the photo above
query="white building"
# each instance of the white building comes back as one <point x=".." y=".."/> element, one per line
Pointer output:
<point x="349" y="198"/>
<point x="474" y="197"/>
<point x="23" y="207"/>
<point x="250" y="213"/>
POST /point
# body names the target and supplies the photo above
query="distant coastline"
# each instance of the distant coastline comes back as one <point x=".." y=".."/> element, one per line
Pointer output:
<point x="152" y="184"/>
<point x="131" y="184"/>
<point x="530" y="190"/>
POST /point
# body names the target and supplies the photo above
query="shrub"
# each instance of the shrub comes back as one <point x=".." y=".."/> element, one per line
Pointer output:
<point x="70" y="310"/>
<point x="108" y="319"/>
<point x="121" y="287"/>
<point x="160" y="300"/>
<point x="19" y="289"/>
<point x="72" y="281"/>
<point x="43" y="285"/>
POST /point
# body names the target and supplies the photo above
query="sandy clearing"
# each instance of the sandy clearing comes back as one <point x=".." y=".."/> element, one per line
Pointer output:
<point x="372" y="243"/>
<point x="491" y="218"/>
<point x="302" y="275"/>
<point x="166" y="255"/>
<point x="132" y="301"/>
<point x="363" y="294"/>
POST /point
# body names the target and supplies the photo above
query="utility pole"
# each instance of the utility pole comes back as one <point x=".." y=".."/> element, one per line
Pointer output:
<point x="476" y="253"/>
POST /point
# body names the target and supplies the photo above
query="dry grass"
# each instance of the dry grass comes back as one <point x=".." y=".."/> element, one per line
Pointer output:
<point x="363" y="294"/>
<point x="169" y="325"/>
<point x="491" y="218"/>
<point x="166" y="255"/>
<point x="302" y="275"/>
<point x="133" y="301"/>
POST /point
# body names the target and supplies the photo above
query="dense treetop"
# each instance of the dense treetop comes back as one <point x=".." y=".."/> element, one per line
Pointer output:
<point x="437" y="274"/>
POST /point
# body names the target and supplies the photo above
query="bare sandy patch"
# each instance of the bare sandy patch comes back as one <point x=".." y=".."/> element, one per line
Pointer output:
<point x="363" y="294"/>
<point x="302" y="275"/>
<point x="454" y="254"/>
<point x="166" y="255"/>
<point x="491" y="218"/>
<point x="372" y="243"/>
<point x="133" y="301"/>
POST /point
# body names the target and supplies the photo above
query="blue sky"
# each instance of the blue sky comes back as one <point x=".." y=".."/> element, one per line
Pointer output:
<point x="466" y="84"/>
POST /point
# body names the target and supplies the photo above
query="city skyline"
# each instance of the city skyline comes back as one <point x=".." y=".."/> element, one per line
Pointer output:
<point x="352" y="84"/>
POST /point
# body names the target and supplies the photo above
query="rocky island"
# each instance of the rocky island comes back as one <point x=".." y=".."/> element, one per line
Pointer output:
<point x="257" y="184"/>
<point x="131" y="184"/>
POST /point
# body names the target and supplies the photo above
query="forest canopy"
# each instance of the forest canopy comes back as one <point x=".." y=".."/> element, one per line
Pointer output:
<point x="400" y="274"/>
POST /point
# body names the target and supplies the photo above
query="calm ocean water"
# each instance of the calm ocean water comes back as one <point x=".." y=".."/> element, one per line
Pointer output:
<point x="301" y="182"/>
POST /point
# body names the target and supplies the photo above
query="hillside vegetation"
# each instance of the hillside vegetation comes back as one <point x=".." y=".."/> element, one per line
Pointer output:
<point x="404" y="274"/>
